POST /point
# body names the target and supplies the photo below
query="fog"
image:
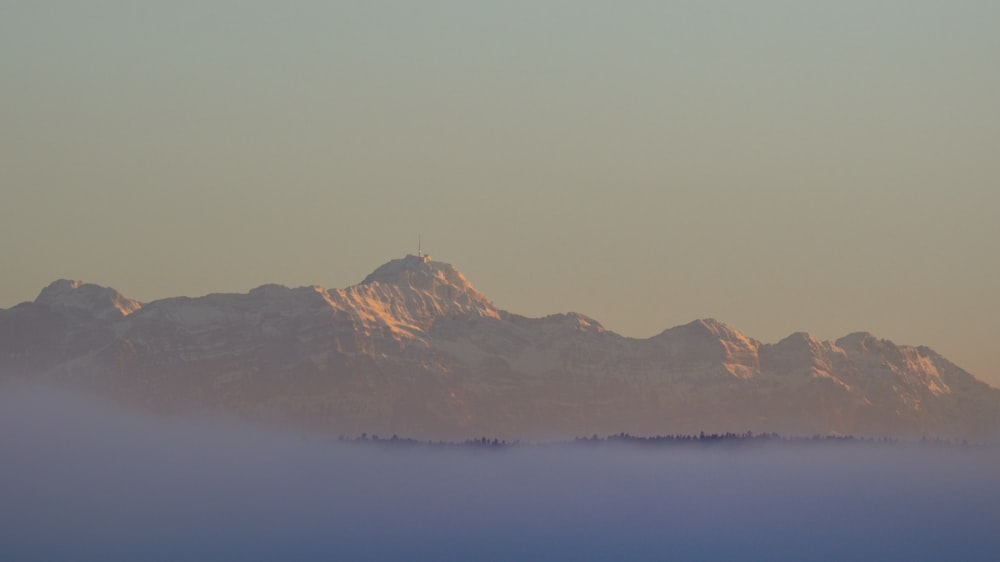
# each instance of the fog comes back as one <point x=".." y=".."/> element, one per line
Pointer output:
<point x="85" y="480"/>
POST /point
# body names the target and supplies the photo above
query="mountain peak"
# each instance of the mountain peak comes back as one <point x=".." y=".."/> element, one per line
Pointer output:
<point x="415" y="290"/>
<point x="861" y="341"/>
<point x="395" y="270"/>
<point x="712" y="328"/>
<point x="799" y="339"/>
<point x="102" y="302"/>
<point x="422" y="273"/>
<point x="57" y="290"/>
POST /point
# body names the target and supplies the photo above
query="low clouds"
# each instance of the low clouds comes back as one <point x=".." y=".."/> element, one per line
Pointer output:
<point x="85" y="480"/>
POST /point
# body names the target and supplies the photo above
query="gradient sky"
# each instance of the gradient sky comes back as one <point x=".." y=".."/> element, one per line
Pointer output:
<point x="781" y="166"/>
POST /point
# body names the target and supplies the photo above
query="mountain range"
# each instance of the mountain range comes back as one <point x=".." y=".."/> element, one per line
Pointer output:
<point x="415" y="350"/>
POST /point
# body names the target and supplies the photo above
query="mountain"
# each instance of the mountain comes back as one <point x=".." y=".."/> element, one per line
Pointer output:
<point x="416" y="350"/>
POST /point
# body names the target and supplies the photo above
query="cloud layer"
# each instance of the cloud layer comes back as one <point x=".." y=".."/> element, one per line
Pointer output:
<point x="85" y="480"/>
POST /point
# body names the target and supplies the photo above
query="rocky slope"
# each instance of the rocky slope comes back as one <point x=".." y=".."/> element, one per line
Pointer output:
<point x="416" y="350"/>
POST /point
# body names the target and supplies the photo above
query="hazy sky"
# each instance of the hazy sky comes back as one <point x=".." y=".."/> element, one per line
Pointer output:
<point x="781" y="166"/>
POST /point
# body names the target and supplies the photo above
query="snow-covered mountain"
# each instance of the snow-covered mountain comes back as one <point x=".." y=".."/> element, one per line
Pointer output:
<point x="416" y="350"/>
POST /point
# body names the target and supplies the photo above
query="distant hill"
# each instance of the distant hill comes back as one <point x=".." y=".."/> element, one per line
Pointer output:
<point x="416" y="350"/>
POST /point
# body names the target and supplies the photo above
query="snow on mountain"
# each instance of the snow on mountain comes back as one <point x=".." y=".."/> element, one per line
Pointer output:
<point x="101" y="302"/>
<point x="712" y="342"/>
<point x="409" y="295"/>
<point x="415" y="349"/>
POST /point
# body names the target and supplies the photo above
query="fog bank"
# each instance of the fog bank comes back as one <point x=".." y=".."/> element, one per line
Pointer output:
<point x="85" y="480"/>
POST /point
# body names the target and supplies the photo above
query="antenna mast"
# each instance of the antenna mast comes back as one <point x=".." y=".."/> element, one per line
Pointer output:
<point x="420" y="251"/>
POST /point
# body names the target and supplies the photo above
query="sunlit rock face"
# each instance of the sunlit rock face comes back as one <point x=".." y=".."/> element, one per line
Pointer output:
<point x="416" y="350"/>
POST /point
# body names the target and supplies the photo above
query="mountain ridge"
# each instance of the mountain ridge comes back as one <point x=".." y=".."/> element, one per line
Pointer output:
<point x="415" y="349"/>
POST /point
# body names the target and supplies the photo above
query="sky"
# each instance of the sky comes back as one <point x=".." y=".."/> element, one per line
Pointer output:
<point x="780" y="166"/>
<point x="212" y="489"/>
